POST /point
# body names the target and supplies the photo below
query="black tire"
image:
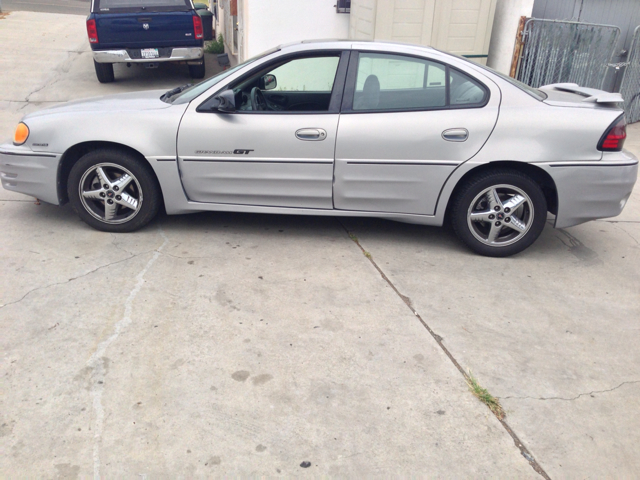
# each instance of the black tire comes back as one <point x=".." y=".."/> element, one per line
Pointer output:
<point x="197" y="71"/>
<point x="104" y="72"/>
<point x="494" y="229"/>
<point x="131" y="207"/>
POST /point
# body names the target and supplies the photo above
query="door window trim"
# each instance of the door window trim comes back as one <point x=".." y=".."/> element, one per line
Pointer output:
<point x="352" y="74"/>
<point x="336" y="93"/>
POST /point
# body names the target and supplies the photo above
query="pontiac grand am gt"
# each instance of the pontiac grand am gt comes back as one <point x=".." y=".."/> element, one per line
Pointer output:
<point x="339" y="128"/>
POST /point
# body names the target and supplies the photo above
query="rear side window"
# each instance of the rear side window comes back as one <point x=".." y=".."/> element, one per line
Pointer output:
<point x="141" y="5"/>
<point x="387" y="82"/>
<point x="464" y="90"/>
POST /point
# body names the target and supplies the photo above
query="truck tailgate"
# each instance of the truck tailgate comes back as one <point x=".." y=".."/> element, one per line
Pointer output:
<point x="146" y="30"/>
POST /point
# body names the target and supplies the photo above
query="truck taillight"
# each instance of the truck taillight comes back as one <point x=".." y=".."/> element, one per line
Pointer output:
<point x="92" y="31"/>
<point x="197" y="27"/>
<point x="613" y="138"/>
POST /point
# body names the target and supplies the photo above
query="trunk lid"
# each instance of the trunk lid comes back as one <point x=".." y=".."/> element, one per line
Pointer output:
<point x="145" y="30"/>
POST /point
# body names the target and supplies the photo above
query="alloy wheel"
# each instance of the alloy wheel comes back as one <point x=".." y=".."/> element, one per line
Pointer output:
<point x="110" y="193"/>
<point x="500" y="215"/>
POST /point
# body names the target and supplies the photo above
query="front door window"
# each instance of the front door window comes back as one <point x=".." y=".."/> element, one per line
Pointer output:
<point x="301" y="84"/>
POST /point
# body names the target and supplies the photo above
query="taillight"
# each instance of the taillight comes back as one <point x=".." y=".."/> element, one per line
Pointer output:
<point x="92" y="31"/>
<point x="613" y="138"/>
<point x="197" y="27"/>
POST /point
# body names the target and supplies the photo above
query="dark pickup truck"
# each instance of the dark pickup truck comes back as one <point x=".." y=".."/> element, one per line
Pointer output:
<point x="147" y="32"/>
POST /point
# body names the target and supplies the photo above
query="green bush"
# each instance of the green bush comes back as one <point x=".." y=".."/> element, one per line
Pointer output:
<point x="216" y="46"/>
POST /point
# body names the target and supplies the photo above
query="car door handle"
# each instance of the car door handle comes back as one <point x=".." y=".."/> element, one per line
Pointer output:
<point x="455" y="134"/>
<point x="311" y="134"/>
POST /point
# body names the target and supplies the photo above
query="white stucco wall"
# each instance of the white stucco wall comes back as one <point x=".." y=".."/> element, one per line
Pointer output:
<point x="503" y="36"/>
<point x="267" y="24"/>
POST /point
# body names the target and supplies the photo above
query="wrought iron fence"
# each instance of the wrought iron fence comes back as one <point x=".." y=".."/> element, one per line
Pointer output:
<point x="558" y="52"/>
<point x="630" y="86"/>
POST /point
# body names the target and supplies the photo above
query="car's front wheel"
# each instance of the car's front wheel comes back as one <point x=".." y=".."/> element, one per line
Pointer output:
<point x="499" y="213"/>
<point x="113" y="191"/>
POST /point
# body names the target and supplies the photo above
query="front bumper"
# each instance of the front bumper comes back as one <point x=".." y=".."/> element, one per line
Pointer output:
<point x="32" y="173"/>
<point x="591" y="190"/>
<point x="178" y="54"/>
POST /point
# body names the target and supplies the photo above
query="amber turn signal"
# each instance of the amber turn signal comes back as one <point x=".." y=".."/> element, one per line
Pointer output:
<point x="21" y="135"/>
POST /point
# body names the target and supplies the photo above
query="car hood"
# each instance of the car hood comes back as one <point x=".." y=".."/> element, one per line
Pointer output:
<point x="134" y="101"/>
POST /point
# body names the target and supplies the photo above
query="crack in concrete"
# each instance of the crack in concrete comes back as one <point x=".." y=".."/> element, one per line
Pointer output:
<point x="97" y="362"/>
<point x="628" y="233"/>
<point x="115" y="244"/>
<point x="45" y="85"/>
<point x="572" y="398"/>
<point x="186" y="258"/>
<point x="524" y="451"/>
<point x="72" y="279"/>
<point x="63" y="67"/>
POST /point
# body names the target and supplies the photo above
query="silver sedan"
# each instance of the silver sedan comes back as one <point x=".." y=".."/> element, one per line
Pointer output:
<point x="342" y="128"/>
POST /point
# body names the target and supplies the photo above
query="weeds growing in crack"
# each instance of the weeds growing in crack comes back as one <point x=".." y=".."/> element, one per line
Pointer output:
<point x="353" y="237"/>
<point x="485" y="397"/>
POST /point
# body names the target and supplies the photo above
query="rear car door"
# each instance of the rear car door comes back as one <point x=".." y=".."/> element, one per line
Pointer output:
<point x="281" y="156"/>
<point x="407" y="122"/>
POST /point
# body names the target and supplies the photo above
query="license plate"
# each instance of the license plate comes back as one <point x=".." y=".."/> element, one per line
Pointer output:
<point x="149" y="53"/>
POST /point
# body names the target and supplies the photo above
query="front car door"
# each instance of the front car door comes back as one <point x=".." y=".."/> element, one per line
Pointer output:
<point x="277" y="148"/>
<point x="407" y="122"/>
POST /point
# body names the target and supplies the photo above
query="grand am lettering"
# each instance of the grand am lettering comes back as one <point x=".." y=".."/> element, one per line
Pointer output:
<point x="238" y="151"/>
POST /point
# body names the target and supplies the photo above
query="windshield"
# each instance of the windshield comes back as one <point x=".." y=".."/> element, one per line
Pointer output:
<point x="192" y="92"/>
<point x="534" y="92"/>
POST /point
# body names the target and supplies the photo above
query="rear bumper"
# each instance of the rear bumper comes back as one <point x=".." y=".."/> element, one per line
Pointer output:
<point x="32" y="173"/>
<point x="592" y="190"/>
<point x="178" y="54"/>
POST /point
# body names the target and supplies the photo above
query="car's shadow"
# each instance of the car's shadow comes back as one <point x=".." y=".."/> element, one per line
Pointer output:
<point x="439" y="240"/>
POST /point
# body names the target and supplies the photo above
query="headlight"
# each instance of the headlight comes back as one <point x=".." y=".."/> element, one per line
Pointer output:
<point x="21" y="135"/>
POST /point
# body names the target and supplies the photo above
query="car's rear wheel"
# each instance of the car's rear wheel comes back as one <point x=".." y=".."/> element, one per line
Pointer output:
<point x="198" y="70"/>
<point x="104" y="72"/>
<point x="113" y="191"/>
<point x="499" y="213"/>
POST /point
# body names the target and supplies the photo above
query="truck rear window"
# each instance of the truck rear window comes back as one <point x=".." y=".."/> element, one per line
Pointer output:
<point x="141" y="5"/>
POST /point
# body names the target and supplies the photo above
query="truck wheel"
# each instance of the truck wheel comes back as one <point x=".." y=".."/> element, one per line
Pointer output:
<point x="113" y="191"/>
<point x="197" y="71"/>
<point x="104" y="72"/>
<point x="499" y="213"/>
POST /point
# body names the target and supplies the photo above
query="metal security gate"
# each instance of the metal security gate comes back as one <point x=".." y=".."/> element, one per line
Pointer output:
<point x="621" y="13"/>
<point x="630" y="86"/>
<point x="566" y="52"/>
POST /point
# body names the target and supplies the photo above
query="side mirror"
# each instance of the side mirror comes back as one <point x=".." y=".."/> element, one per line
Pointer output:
<point x="268" y="82"/>
<point x="226" y="102"/>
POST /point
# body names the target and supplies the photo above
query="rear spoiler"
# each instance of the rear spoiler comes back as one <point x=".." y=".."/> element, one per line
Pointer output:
<point x="593" y="94"/>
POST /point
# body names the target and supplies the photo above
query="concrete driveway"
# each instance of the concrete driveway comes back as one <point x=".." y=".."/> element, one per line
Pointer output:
<point x="219" y="344"/>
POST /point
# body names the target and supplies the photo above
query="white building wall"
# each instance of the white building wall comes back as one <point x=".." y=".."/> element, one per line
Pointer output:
<point x="464" y="27"/>
<point x="267" y="24"/>
<point x="505" y="27"/>
<point x="362" y="19"/>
